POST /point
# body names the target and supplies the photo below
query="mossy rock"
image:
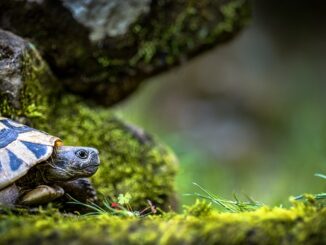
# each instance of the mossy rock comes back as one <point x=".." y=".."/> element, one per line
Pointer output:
<point x="156" y="36"/>
<point x="302" y="224"/>
<point x="131" y="160"/>
<point x="26" y="83"/>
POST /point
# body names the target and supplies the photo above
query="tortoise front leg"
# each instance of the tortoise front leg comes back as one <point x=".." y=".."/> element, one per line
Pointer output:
<point x="80" y="189"/>
<point x="41" y="194"/>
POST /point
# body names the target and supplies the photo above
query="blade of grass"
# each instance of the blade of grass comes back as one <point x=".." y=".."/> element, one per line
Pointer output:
<point x="320" y="175"/>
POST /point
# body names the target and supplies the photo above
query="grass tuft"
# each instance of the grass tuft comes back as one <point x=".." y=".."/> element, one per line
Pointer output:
<point x="120" y="208"/>
<point x="233" y="206"/>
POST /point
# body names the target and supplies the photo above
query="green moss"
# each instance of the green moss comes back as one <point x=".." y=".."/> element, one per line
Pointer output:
<point x="131" y="161"/>
<point x="200" y="208"/>
<point x="191" y="28"/>
<point x="302" y="224"/>
<point x="34" y="100"/>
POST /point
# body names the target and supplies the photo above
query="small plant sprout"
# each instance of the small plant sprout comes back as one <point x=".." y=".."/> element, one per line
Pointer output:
<point x="118" y="207"/>
<point x="124" y="199"/>
<point x="233" y="206"/>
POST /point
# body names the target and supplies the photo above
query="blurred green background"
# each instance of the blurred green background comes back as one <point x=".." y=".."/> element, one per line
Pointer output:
<point x="248" y="117"/>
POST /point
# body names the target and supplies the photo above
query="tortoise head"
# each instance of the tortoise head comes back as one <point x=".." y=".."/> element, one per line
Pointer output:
<point x="70" y="162"/>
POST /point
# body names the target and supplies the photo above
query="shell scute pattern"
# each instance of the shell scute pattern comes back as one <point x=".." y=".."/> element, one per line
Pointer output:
<point x="21" y="147"/>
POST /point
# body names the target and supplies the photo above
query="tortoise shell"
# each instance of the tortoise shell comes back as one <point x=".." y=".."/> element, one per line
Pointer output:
<point x="21" y="148"/>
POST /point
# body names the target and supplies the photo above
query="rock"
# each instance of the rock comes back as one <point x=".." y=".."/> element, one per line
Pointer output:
<point x="107" y="18"/>
<point x="104" y="49"/>
<point x="23" y="77"/>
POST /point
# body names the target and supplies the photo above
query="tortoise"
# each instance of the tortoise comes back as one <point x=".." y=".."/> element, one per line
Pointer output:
<point x="36" y="168"/>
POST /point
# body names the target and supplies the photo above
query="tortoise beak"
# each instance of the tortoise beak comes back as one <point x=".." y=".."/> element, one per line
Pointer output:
<point x="95" y="159"/>
<point x="94" y="163"/>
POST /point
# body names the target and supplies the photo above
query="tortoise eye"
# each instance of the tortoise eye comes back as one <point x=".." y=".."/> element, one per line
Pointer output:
<point x="81" y="154"/>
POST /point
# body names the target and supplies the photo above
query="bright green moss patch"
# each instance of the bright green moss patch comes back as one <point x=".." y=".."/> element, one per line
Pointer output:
<point x="131" y="161"/>
<point x="302" y="224"/>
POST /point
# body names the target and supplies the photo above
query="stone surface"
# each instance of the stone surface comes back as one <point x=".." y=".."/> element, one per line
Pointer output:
<point x="23" y="77"/>
<point x="107" y="18"/>
<point x="103" y="50"/>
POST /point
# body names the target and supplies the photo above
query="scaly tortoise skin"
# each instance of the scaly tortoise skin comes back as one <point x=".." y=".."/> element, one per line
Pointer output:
<point x="35" y="167"/>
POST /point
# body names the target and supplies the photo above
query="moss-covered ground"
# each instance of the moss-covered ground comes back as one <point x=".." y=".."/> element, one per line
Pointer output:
<point x="301" y="224"/>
